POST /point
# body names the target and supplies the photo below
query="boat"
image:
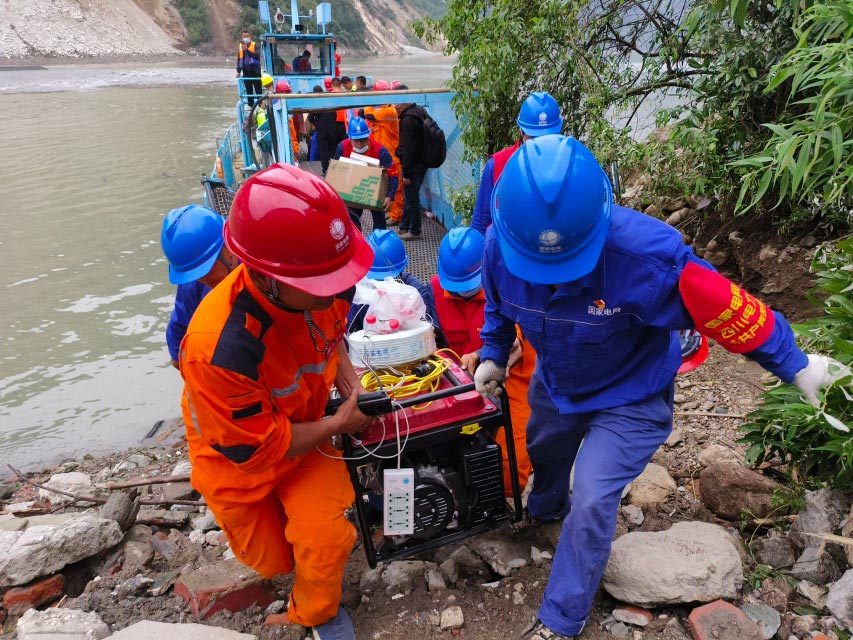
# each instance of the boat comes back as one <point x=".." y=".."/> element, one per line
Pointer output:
<point x="238" y="155"/>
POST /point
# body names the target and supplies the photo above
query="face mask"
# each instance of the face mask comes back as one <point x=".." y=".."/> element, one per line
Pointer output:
<point x="469" y="294"/>
<point x="247" y="40"/>
<point x="360" y="149"/>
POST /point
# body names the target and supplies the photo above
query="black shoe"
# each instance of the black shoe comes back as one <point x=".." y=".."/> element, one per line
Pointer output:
<point x="408" y="235"/>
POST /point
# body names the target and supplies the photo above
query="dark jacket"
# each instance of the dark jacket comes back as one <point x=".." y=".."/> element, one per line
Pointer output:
<point x="411" y="140"/>
<point x="323" y="121"/>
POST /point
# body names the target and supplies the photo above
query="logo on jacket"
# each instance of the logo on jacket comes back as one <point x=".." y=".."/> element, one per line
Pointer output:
<point x="549" y="241"/>
<point x="600" y="308"/>
<point x="337" y="229"/>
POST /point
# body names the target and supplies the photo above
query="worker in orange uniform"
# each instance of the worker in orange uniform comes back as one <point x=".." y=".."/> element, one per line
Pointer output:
<point x="386" y="131"/>
<point x="258" y="361"/>
<point x="460" y="305"/>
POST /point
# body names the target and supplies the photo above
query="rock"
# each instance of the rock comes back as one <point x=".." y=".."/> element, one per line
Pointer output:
<point x="715" y="453"/>
<point x="163" y="582"/>
<point x="371" y="579"/>
<point x="449" y="570"/>
<point x="839" y="601"/>
<point x="735" y="238"/>
<point x="197" y="537"/>
<point x="815" y="565"/>
<point x="277" y="606"/>
<point x="213" y="539"/>
<point x="847" y="532"/>
<point x="517" y="598"/>
<point x="33" y="595"/>
<point x="147" y="629"/>
<point x="7" y="489"/>
<point x="183" y="468"/>
<point x="812" y="592"/>
<point x="469" y="563"/>
<point x="676" y="217"/>
<point x="351" y="597"/>
<point x="539" y="557"/>
<point x="139" y="533"/>
<point x="11" y="522"/>
<point x="45" y="549"/>
<point x="652" y="487"/>
<point x="401" y="576"/>
<point x="228" y="584"/>
<point x="619" y="630"/>
<point x="74" y="482"/>
<point x="776" y="552"/>
<point x="691" y="562"/>
<point x="61" y="624"/>
<point x="674" y="205"/>
<point x="719" y="620"/>
<point x="652" y="210"/>
<point x="133" y="586"/>
<point x="452" y="618"/>
<point x="435" y="581"/>
<point x="802" y="626"/>
<point x="136" y="556"/>
<point x="178" y="491"/>
<point x="499" y="551"/>
<point x="633" y="615"/>
<point x="674" y="438"/>
<point x="767" y="618"/>
<point x="121" y="506"/>
<point x="730" y="490"/>
<point x="717" y="258"/>
<point x="776" y="591"/>
<point x="824" y="511"/>
<point x="205" y="522"/>
<point x="633" y="514"/>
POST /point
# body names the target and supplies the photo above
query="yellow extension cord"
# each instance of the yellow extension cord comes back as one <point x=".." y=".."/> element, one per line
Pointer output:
<point x="400" y="382"/>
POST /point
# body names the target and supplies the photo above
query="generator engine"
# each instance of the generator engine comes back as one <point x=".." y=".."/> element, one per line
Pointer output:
<point x="444" y="445"/>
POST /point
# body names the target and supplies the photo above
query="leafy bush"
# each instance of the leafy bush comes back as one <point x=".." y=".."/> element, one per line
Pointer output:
<point x="194" y="15"/>
<point x="807" y="159"/>
<point x="462" y="201"/>
<point x="816" y="443"/>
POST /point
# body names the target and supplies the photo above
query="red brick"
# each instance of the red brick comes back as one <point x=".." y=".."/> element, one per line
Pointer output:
<point x="633" y="615"/>
<point x="720" y="619"/>
<point x="224" y="585"/>
<point x="277" y="620"/>
<point x="33" y="595"/>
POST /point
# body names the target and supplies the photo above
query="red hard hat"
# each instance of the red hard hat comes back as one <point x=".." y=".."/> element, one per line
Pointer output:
<point x="396" y="84"/>
<point x="381" y="85"/>
<point x="292" y="226"/>
<point x="283" y="86"/>
<point x="328" y="82"/>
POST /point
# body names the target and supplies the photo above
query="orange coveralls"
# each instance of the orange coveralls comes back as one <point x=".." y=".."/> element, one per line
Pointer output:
<point x="251" y="372"/>
<point x="461" y="321"/>
<point x="386" y="131"/>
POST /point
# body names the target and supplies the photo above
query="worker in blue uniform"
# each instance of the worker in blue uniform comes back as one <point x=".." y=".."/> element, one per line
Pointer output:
<point x="599" y="291"/>
<point x="198" y="260"/>
<point x="389" y="261"/>
<point x="539" y="116"/>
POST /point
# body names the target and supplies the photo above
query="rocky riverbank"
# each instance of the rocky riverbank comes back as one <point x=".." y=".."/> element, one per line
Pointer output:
<point x="704" y="549"/>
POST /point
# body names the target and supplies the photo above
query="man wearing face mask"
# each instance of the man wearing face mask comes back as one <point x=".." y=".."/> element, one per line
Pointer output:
<point x="460" y="305"/>
<point x="258" y="361"/>
<point x="359" y="141"/>
<point x="249" y="65"/>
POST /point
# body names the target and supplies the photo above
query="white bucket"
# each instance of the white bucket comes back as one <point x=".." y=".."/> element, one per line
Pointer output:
<point x="392" y="349"/>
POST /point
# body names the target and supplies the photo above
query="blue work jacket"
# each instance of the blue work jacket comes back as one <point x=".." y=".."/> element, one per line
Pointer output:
<point x="607" y="340"/>
<point x="187" y="299"/>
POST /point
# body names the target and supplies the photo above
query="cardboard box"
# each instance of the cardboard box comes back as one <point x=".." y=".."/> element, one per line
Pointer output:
<point x="360" y="186"/>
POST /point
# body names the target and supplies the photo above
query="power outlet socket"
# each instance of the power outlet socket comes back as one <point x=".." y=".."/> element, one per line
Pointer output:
<point x="399" y="501"/>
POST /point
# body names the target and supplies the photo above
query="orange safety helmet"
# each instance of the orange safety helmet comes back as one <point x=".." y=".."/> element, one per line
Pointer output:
<point x="292" y="226"/>
<point x="283" y="86"/>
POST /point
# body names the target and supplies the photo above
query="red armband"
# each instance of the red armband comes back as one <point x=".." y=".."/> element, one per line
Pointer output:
<point x="723" y="311"/>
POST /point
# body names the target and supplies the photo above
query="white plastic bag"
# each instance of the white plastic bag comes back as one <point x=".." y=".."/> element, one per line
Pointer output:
<point x="390" y="299"/>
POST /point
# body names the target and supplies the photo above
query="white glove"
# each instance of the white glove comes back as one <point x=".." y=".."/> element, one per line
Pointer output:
<point x="820" y="372"/>
<point x="487" y="377"/>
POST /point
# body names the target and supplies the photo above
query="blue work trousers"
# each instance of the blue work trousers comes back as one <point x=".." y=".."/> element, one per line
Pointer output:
<point x="617" y="445"/>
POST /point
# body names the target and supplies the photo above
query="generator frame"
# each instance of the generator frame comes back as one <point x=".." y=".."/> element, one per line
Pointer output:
<point x="440" y="435"/>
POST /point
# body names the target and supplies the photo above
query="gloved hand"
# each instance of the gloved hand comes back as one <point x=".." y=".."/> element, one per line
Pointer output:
<point x="487" y="377"/>
<point x="820" y="372"/>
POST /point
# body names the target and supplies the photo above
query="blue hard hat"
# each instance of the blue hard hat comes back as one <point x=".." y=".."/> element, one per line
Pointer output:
<point x="389" y="254"/>
<point x="191" y="239"/>
<point x="540" y="115"/>
<point x="551" y="210"/>
<point x="358" y="129"/>
<point x="460" y="257"/>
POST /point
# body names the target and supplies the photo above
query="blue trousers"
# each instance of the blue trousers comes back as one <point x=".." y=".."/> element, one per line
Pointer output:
<point x="617" y="445"/>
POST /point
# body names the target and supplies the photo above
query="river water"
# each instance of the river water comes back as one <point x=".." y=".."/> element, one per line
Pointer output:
<point x="95" y="156"/>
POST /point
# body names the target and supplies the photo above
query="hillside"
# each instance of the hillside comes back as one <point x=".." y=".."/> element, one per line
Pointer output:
<point x="106" y="28"/>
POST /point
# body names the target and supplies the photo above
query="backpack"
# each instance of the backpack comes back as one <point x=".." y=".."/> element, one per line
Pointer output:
<point x="434" y="150"/>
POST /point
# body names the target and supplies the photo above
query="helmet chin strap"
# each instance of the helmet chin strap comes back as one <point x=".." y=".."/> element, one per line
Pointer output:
<point x="272" y="296"/>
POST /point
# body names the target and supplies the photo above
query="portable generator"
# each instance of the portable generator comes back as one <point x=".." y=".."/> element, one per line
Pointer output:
<point x="430" y="472"/>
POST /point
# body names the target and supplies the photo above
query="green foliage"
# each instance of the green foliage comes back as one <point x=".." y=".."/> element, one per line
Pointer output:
<point x="462" y="202"/>
<point x="348" y="26"/>
<point x="755" y="576"/>
<point x="807" y="159"/>
<point x="194" y="15"/>
<point x="816" y="442"/>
